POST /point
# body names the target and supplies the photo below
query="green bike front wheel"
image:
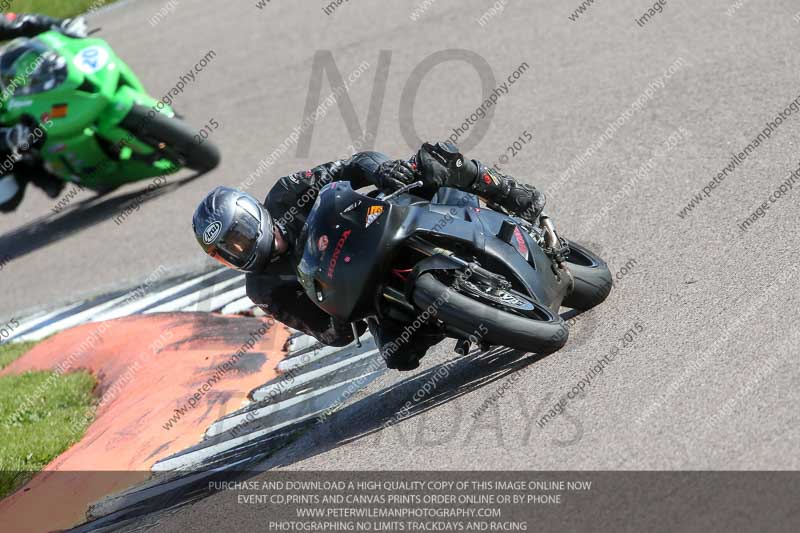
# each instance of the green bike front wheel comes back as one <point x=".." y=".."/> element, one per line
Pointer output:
<point x="173" y="138"/>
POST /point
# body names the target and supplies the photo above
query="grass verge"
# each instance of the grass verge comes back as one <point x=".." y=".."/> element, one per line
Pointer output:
<point x="57" y="8"/>
<point x="41" y="415"/>
<point x="9" y="352"/>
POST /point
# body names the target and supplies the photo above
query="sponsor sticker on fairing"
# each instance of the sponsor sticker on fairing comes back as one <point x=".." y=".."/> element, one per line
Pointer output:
<point x="337" y="252"/>
<point x="91" y="59"/>
<point x="352" y="206"/>
<point x="373" y="213"/>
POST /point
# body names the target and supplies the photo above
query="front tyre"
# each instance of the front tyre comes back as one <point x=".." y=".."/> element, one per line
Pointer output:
<point x="464" y="311"/>
<point x="173" y="137"/>
<point x="592" y="278"/>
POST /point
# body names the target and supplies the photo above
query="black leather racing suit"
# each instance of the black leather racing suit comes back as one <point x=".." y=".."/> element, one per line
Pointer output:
<point x="277" y="290"/>
<point x="289" y="202"/>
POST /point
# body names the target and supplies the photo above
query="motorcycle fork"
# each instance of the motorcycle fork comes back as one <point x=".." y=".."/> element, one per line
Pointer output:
<point x="473" y="268"/>
<point x="553" y="242"/>
<point x="400" y="308"/>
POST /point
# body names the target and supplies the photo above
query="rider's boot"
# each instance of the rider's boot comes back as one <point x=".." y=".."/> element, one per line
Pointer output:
<point x="402" y="348"/>
<point x="51" y="185"/>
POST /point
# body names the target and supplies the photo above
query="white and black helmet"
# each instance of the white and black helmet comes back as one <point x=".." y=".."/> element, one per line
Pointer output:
<point x="235" y="229"/>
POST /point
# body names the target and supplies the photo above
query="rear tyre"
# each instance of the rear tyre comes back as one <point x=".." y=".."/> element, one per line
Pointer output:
<point x="172" y="136"/>
<point x="542" y="331"/>
<point x="593" y="280"/>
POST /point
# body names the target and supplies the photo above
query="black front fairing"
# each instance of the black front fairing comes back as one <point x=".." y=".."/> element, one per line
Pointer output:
<point x="345" y="260"/>
<point x="522" y="261"/>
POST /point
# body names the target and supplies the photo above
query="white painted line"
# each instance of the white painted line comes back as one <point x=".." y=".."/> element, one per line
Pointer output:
<point x="185" y="302"/>
<point x="224" y="424"/>
<point x="264" y="392"/>
<point x="219" y="301"/>
<point x="301" y="343"/>
<point x="105" y="311"/>
<point x="239" y="306"/>
<point x="32" y="323"/>
<point x="72" y="320"/>
<point x="137" y="306"/>
<point x="154" y="487"/>
<point x="298" y="361"/>
<point x="195" y="457"/>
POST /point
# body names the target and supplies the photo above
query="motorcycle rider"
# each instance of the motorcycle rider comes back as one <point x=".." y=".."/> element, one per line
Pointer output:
<point x="264" y="241"/>
<point x="19" y="68"/>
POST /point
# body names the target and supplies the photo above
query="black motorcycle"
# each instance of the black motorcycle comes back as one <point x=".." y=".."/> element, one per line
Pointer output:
<point x="473" y="273"/>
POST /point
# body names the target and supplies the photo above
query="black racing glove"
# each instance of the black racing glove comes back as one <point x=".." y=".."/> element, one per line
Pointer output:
<point x="394" y="174"/>
<point x="442" y="165"/>
<point x="526" y="201"/>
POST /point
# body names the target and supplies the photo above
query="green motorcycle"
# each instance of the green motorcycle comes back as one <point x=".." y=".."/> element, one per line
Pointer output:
<point x="100" y="128"/>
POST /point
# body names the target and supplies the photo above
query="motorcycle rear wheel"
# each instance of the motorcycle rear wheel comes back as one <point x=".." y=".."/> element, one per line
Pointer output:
<point x="174" y="137"/>
<point x="539" y="330"/>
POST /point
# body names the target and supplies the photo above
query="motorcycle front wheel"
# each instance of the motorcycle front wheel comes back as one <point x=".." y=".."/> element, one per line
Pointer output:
<point x="173" y="137"/>
<point x="504" y="318"/>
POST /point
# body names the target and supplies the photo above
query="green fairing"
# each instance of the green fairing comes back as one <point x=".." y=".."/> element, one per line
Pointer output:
<point x="87" y="145"/>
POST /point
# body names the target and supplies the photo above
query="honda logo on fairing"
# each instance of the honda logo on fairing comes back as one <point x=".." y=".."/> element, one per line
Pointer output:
<point x="336" y="252"/>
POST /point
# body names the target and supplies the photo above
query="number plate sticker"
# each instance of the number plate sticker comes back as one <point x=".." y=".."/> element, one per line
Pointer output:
<point x="91" y="59"/>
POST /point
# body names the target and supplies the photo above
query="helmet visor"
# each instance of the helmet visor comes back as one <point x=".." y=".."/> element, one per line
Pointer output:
<point x="238" y="246"/>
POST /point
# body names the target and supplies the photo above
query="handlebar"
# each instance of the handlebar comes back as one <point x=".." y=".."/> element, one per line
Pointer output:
<point x="402" y="190"/>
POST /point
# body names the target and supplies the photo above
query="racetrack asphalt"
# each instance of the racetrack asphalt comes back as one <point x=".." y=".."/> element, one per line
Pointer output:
<point x="709" y="381"/>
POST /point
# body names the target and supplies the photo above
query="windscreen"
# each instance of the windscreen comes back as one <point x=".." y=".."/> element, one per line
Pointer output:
<point x="28" y="66"/>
